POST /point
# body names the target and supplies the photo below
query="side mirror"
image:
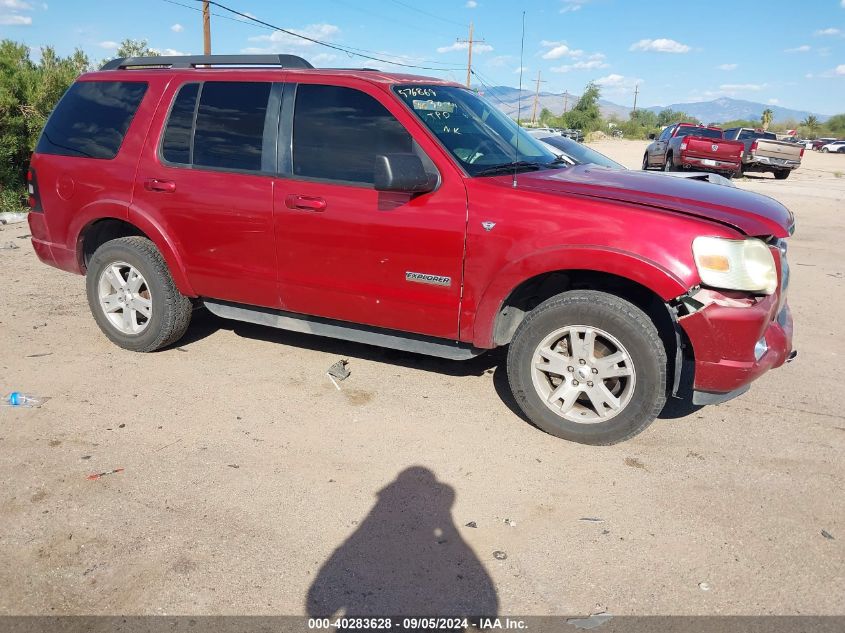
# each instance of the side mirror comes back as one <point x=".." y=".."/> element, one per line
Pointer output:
<point x="402" y="172"/>
<point x="652" y="136"/>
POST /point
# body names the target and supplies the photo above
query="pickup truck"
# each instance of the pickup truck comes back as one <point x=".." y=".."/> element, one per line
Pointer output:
<point x="764" y="153"/>
<point x="686" y="146"/>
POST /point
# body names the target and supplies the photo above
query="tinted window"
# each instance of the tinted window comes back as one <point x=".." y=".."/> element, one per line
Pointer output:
<point x="91" y="119"/>
<point x="176" y="146"/>
<point x="691" y="130"/>
<point x="666" y="133"/>
<point x="338" y="132"/>
<point x="230" y="124"/>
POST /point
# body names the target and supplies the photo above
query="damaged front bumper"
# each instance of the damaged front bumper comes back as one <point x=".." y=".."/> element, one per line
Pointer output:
<point x="735" y="338"/>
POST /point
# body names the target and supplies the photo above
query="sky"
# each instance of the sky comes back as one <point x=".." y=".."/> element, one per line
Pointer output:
<point x="784" y="52"/>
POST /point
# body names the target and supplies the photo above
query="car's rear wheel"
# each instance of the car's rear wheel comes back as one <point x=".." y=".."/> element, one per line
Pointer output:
<point x="645" y="161"/>
<point x="782" y="174"/>
<point x="669" y="165"/>
<point x="133" y="297"/>
<point x="588" y="367"/>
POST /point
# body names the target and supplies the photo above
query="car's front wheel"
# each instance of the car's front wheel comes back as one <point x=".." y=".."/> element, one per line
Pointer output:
<point x="589" y="367"/>
<point x="645" y="161"/>
<point x="133" y="297"/>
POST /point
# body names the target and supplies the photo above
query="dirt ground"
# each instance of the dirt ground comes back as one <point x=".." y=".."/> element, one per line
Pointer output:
<point x="250" y="484"/>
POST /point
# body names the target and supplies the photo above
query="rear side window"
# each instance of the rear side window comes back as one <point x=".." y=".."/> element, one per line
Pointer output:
<point x="91" y="119"/>
<point x="176" y="146"/>
<point x="338" y="132"/>
<point x="224" y="131"/>
<point x="230" y="125"/>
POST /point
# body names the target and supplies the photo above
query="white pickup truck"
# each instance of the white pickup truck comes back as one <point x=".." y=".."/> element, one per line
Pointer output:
<point x="763" y="152"/>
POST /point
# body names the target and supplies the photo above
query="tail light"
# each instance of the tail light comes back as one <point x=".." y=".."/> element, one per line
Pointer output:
<point x="33" y="200"/>
<point x="683" y="146"/>
<point x="754" y="146"/>
<point x="801" y="155"/>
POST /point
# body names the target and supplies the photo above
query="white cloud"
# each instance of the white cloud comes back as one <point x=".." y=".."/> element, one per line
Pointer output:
<point x="842" y="4"/>
<point x="804" y="48"/>
<point x="322" y="58"/>
<point x="573" y="5"/>
<point x="839" y="70"/>
<point x="582" y="65"/>
<point x="109" y="45"/>
<point x="828" y="31"/>
<point x="471" y="4"/>
<point x="16" y="5"/>
<point x="462" y="46"/>
<point x="172" y="52"/>
<point x="615" y="84"/>
<point x="660" y="45"/>
<point x="520" y="69"/>
<point x="727" y="66"/>
<point x="177" y="28"/>
<point x="15" y="20"/>
<point x="561" y="50"/>
<point x="499" y="60"/>
<point x="774" y="101"/>
<point x="280" y="42"/>
<point x="734" y="88"/>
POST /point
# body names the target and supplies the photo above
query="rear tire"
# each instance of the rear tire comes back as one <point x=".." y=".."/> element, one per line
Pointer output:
<point x="669" y="165"/>
<point x="782" y="174"/>
<point x="133" y="297"/>
<point x="590" y="402"/>
<point x="645" y="162"/>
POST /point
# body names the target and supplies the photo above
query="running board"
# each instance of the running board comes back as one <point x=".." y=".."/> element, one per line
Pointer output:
<point x="379" y="337"/>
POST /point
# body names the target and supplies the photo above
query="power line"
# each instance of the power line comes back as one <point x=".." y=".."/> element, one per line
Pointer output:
<point x="342" y="49"/>
<point x="431" y="15"/>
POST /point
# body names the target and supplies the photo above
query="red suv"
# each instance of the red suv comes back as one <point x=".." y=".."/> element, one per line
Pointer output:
<point x="410" y="213"/>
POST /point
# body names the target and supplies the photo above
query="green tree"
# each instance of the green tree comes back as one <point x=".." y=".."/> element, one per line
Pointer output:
<point x="812" y="124"/>
<point x="766" y="118"/>
<point x="135" y="48"/>
<point x="670" y="117"/>
<point x="585" y="115"/>
<point x="28" y="93"/>
<point x="836" y="124"/>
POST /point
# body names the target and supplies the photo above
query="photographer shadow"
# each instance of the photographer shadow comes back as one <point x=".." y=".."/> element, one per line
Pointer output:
<point x="406" y="558"/>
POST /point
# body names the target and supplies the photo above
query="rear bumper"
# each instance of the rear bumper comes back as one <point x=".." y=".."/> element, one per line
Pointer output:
<point x="698" y="163"/>
<point x="51" y="253"/>
<point x="771" y="161"/>
<point x="735" y="344"/>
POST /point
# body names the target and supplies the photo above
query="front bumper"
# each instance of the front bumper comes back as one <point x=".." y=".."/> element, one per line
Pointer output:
<point x="736" y="340"/>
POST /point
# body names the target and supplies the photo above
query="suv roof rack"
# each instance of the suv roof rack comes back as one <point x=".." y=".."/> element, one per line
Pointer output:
<point x="192" y="61"/>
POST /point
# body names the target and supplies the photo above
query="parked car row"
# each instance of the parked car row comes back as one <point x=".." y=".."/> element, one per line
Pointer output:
<point x="729" y="152"/>
<point x="575" y="135"/>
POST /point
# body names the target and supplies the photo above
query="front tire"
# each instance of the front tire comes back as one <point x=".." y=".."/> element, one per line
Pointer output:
<point x="588" y="367"/>
<point x="825" y="150"/>
<point x="645" y="162"/>
<point x="133" y="297"/>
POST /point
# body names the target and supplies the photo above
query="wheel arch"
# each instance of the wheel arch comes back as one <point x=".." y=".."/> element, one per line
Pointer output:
<point x="100" y="230"/>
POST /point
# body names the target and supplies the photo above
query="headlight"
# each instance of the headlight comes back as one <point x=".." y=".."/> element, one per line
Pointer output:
<point x="735" y="264"/>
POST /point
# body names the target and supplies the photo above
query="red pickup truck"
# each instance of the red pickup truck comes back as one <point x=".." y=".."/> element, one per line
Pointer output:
<point x="690" y="146"/>
<point x="410" y="213"/>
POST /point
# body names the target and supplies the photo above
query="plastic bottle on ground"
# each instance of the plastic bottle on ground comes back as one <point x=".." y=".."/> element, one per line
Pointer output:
<point x="18" y="399"/>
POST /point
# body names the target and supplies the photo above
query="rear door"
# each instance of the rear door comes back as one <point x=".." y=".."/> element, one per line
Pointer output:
<point x="207" y="180"/>
<point x="658" y="152"/>
<point x="345" y="250"/>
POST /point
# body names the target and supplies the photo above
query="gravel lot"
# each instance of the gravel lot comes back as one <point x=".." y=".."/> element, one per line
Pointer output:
<point x="252" y="485"/>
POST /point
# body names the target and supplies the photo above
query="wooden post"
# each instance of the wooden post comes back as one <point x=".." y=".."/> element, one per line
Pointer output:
<point x="206" y="28"/>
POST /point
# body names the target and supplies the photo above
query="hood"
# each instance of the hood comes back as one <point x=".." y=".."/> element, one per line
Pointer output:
<point x="749" y="213"/>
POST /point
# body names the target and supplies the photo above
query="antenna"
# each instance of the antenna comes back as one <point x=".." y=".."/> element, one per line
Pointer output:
<point x="519" y="99"/>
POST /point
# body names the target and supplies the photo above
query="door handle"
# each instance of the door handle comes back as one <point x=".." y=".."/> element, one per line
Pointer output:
<point x="154" y="184"/>
<point x="305" y="203"/>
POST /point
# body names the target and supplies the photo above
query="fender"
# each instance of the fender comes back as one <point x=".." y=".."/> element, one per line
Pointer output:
<point x="85" y="216"/>
<point x="645" y="272"/>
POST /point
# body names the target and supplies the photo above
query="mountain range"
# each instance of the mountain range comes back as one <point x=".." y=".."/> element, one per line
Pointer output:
<point x="714" y="111"/>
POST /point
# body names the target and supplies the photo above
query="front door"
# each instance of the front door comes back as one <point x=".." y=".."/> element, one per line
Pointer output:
<point x="347" y="251"/>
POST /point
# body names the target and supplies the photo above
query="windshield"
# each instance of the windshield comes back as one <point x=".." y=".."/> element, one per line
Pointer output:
<point x="690" y="130"/>
<point x="581" y="154"/>
<point x="479" y="135"/>
<point x="746" y="134"/>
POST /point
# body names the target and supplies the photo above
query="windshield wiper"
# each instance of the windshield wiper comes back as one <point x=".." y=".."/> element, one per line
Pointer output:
<point x="506" y="168"/>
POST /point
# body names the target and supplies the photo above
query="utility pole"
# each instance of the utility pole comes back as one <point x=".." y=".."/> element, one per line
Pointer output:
<point x="469" y="42"/>
<point x="565" y="101"/>
<point x="206" y="28"/>
<point x="536" y="99"/>
<point x="636" y="92"/>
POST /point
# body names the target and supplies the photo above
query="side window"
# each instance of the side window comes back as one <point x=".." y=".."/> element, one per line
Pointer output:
<point x="91" y="119"/>
<point x="666" y="133"/>
<point x="338" y="132"/>
<point x="230" y="125"/>
<point x="176" y="145"/>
